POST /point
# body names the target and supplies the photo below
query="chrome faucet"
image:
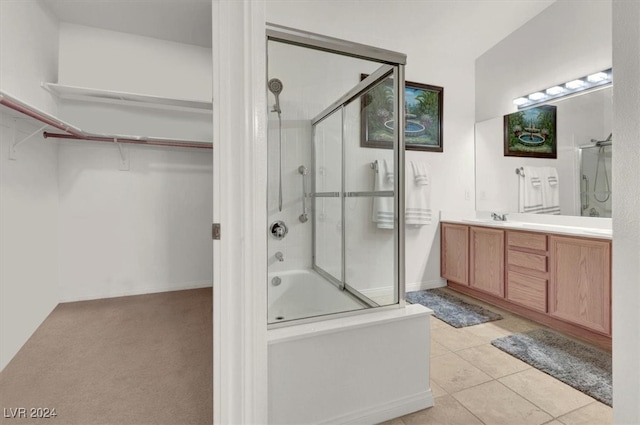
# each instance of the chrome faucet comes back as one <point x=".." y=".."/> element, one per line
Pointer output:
<point x="279" y="256"/>
<point x="498" y="217"/>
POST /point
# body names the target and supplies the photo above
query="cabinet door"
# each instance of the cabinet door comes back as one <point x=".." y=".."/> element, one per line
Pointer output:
<point x="454" y="254"/>
<point x="580" y="282"/>
<point x="487" y="260"/>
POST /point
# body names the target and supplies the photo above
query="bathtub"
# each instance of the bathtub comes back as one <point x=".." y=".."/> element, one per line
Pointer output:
<point x="362" y="368"/>
<point x="304" y="293"/>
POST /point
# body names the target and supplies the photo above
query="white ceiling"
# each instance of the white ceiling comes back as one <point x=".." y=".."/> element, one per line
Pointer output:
<point x="182" y="21"/>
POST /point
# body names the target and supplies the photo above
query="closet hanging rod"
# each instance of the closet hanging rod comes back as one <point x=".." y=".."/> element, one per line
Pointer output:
<point x="43" y="117"/>
<point x="141" y="141"/>
<point x="77" y="134"/>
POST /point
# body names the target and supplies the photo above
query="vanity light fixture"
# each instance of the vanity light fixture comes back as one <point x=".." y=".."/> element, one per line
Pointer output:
<point x="575" y="84"/>
<point x="598" y="76"/>
<point x="552" y="91"/>
<point x="599" y="79"/>
<point x="520" y="101"/>
<point x="537" y="96"/>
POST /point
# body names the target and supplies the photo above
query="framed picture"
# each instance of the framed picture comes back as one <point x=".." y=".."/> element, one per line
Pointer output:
<point x="531" y="132"/>
<point x="423" y="116"/>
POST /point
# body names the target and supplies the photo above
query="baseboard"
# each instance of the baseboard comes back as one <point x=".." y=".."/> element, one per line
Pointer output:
<point x="429" y="284"/>
<point x="149" y="289"/>
<point x="386" y="411"/>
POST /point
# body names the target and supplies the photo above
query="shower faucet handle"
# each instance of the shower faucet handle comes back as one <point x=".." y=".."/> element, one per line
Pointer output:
<point x="278" y="229"/>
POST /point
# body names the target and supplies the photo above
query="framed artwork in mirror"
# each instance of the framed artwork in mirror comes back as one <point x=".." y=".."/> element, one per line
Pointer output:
<point x="531" y="132"/>
<point x="423" y="116"/>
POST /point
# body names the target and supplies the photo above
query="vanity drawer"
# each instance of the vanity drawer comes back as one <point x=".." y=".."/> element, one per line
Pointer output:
<point x="528" y="291"/>
<point x="527" y="260"/>
<point x="527" y="240"/>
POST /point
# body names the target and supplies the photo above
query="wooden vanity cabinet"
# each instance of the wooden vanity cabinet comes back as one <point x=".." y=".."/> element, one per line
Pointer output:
<point x="580" y="282"/>
<point x="560" y="281"/>
<point x="527" y="272"/>
<point x="487" y="260"/>
<point x="454" y="255"/>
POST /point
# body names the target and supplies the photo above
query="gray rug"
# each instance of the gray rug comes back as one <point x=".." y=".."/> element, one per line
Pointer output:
<point x="452" y="309"/>
<point x="581" y="366"/>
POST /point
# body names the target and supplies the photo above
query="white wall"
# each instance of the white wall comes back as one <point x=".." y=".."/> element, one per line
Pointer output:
<point x="110" y="60"/>
<point x="29" y="51"/>
<point x="147" y="229"/>
<point x="626" y="220"/>
<point x="28" y="186"/>
<point x="138" y="231"/>
<point x="28" y="234"/>
<point x="567" y="40"/>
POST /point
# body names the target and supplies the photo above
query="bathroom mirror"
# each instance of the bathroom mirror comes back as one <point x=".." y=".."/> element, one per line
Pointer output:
<point x="583" y="166"/>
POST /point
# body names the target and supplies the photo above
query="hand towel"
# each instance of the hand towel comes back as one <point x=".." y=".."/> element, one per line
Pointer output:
<point x="418" y="195"/>
<point x="550" y="190"/>
<point x="530" y="191"/>
<point x="383" y="207"/>
<point x="420" y="173"/>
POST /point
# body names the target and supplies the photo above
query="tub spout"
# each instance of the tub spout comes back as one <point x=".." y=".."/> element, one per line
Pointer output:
<point x="279" y="256"/>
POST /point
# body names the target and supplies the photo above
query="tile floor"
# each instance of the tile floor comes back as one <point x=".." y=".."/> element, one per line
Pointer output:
<point x="473" y="382"/>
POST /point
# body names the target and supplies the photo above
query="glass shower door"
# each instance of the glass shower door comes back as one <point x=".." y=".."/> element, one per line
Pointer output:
<point x="595" y="180"/>
<point x="370" y="195"/>
<point x="355" y="192"/>
<point x="327" y="178"/>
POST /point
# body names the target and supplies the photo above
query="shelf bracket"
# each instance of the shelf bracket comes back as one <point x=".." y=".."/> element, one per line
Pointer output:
<point x="13" y="149"/>
<point x="124" y="156"/>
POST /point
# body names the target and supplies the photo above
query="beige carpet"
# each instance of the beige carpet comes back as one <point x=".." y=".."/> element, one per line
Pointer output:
<point x="143" y="359"/>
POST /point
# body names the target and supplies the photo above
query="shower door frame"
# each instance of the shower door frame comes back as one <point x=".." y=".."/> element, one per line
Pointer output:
<point x="581" y="150"/>
<point x="376" y="77"/>
<point x="391" y="62"/>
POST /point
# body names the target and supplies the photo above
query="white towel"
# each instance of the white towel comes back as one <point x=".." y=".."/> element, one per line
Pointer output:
<point x="418" y="195"/>
<point x="550" y="190"/>
<point x="420" y="173"/>
<point x="530" y="191"/>
<point x="383" y="207"/>
<point x="539" y="191"/>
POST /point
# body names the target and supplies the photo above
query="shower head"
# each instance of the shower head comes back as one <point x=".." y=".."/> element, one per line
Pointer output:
<point x="275" y="87"/>
<point x="606" y="142"/>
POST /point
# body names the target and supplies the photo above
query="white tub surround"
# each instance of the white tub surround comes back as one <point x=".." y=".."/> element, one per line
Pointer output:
<point x="303" y="294"/>
<point x="361" y="369"/>
<point x="590" y="227"/>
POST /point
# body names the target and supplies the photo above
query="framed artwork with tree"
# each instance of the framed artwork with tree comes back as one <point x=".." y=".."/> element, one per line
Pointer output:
<point x="531" y="132"/>
<point x="423" y="116"/>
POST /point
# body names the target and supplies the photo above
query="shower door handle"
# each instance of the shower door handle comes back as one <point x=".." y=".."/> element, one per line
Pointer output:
<point x="585" y="194"/>
<point x="303" y="217"/>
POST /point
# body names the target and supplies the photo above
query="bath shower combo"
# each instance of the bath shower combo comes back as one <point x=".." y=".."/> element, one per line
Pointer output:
<point x="336" y="282"/>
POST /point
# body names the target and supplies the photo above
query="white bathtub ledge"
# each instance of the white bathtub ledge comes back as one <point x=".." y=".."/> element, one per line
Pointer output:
<point x="368" y="318"/>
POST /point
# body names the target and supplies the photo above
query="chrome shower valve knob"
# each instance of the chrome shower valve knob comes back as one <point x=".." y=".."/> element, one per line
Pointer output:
<point x="278" y="229"/>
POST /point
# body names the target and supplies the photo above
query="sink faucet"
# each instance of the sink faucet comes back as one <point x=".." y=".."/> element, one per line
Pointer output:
<point x="498" y="217"/>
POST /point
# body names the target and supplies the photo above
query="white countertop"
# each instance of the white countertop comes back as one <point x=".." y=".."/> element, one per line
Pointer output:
<point x="562" y="225"/>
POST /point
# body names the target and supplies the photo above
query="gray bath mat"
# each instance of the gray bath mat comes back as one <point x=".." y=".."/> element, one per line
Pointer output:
<point x="452" y="309"/>
<point x="581" y="366"/>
